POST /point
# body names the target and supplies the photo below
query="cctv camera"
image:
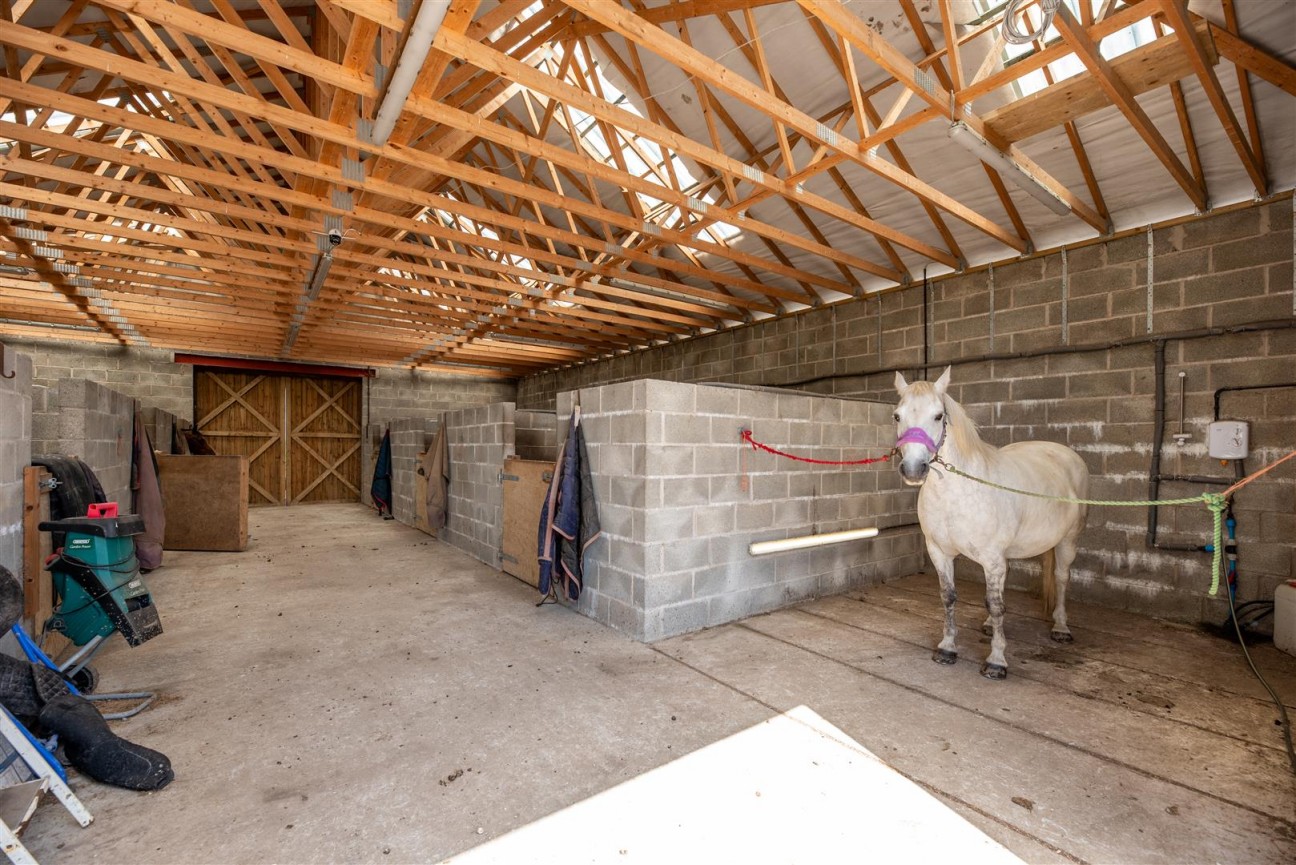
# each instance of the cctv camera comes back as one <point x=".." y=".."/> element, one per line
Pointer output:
<point x="335" y="237"/>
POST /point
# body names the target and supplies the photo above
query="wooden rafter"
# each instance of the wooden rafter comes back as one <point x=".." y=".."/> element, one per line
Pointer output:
<point x="1177" y="15"/>
<point x="1087" y="50"/>
<point x="917" y="80"/>
<point x="179" y="160"/>
<point x="652" y="38"/>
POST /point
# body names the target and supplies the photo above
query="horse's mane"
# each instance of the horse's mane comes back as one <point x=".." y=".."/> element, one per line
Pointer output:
<point x="964" y="430"/>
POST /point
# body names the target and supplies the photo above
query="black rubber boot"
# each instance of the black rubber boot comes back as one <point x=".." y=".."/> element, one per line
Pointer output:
<point x="100" y="753"/>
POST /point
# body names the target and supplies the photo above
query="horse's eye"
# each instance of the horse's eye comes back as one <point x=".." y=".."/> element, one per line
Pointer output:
<point x="897" y="417"/>
<point x="940" y="417"/>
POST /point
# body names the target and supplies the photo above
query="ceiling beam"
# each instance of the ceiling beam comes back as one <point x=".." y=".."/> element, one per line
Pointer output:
<point x="920" y="82"/>
<point x="632" y="27"/>
<point x="214" y="31"/>
<point x="1087" y="52"/>
<point x="1141" y="70"/>
<point x="681" y="144"/>
<point x="1177" y="15"/>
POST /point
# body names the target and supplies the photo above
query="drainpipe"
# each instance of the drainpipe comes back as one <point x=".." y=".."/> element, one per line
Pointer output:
<point x="1158" y="429"/>
<point x="1154" y="471"/>
<point x="427" y="22"/>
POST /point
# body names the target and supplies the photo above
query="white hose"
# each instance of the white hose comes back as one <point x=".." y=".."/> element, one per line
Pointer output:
<point x="1048" y="8"/>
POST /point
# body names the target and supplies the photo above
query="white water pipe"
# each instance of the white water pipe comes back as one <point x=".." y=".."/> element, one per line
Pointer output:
<point x="427" y="21"/>
<point x="761" y="548"/>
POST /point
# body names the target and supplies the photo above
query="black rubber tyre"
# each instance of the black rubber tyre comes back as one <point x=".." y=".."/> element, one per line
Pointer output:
<point x="86" y="680"/>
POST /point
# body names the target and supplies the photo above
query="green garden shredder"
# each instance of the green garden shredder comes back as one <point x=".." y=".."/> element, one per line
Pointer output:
<point x="98" y="585"/>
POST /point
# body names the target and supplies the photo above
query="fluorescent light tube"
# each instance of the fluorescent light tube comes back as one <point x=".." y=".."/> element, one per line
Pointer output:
<point x="963" y="135"/>
<point x="427" y="21"/>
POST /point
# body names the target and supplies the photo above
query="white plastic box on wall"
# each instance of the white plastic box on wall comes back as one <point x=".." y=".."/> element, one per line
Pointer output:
<point x="1228" y="439"/>
<point x="1285" y="617"/>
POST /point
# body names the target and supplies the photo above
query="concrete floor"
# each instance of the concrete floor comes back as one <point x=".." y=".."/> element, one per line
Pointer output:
<point x="350" y="690"/>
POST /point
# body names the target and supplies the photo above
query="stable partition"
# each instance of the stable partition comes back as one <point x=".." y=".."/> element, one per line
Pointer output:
<point x="84" y="419"/>
<point x="481" y="440"/>
<point x="535" y="435"/>
<point x="410" y="438"/>
<point x="15" y="455"/>
<point x="680" y="498"/>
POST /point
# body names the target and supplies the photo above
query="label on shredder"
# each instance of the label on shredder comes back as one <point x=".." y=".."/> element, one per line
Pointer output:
<point x="80" y="543"/>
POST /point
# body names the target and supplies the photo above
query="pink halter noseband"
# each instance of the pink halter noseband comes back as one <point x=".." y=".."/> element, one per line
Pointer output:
<point x="917" y="435"/>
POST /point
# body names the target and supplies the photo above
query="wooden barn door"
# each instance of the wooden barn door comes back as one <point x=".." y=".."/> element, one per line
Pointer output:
<point x="323" y="432"/>
<point x="241" y="413"/>
<point x="301" y="435"/>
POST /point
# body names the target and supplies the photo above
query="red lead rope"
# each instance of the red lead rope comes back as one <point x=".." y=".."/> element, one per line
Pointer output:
<point x="747" y="437"/>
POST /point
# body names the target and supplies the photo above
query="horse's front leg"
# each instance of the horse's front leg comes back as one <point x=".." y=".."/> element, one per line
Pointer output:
<point x="946" y="653"/>
<point x="996" y="665"/>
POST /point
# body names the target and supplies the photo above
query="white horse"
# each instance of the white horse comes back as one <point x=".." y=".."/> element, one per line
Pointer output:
<point x="962" y="517"/>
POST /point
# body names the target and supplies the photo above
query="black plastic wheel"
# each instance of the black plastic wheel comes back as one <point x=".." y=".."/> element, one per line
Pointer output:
<point x="86" y="680"/>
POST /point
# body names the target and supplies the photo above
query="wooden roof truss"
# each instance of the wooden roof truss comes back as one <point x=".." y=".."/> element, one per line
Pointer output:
<point x="172" y="169"/>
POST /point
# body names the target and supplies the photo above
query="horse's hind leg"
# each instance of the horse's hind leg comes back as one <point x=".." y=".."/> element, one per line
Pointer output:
<point x="996" y="665"/>
<point x="946" y="653"/>
<point x="1065" y="553"/>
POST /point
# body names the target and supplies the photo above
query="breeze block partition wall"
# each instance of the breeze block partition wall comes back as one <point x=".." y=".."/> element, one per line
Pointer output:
<point x="536" y="435"/>
<point x="82" y="418"/>
<point x="409" y="438"/>
<point x="15" y="455"/>
<point x="479" y="439"/>
<point x="680" y="497"/>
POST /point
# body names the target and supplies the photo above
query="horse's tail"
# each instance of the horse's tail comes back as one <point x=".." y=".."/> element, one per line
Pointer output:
<point x="1048" y="570"/>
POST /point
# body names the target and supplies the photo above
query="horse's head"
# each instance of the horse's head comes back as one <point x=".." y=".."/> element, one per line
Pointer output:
<point x="920" y="425"/>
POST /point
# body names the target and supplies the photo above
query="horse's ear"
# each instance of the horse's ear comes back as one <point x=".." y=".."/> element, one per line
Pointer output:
<point x="943" y="382"/>
<point x="900" y="383"/>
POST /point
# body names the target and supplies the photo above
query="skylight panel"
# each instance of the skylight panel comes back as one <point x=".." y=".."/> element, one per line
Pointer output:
<point x="1118" y="43"/>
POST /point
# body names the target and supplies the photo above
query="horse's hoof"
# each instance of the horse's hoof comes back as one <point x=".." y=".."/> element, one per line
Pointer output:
<point x="945" y="656"/>
<point x="994" y="671"/>
<point x="1061" y="636"/>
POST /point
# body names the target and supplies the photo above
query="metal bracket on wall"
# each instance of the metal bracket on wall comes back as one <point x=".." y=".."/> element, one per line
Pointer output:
<point x="990" y="271"/>
<point x="546" y="476"/>
<point x="1150" y="279"/>
<point x="4" y="374"/>
<point x="1066" y="297"/>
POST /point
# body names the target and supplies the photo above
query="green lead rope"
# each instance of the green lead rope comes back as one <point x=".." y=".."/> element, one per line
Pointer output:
<point x="1216" y="502"/>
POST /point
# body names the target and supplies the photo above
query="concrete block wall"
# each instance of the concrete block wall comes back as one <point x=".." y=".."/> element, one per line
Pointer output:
<point x="536" y="435"/>
<point x="409" y="438"/>
<point x="369" y="445"/>
<point x="680" y="497"/>
<point x="403" y="394"/>
<point x="97" y="425"/>
<point x="161" y="426"/>
<point x="147" y="374"/>
<point x="152" y="377"/>
<point x="1231" y="272"/>
<point x="479" y="439"/>
<point x="15" y="455"/>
